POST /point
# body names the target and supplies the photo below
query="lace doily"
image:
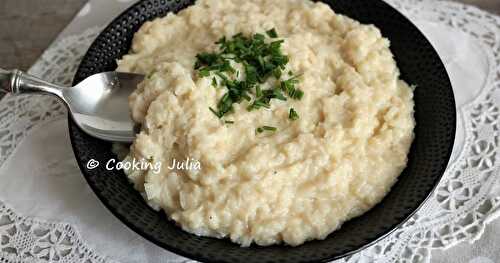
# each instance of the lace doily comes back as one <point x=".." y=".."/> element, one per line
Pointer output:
<point x="24" y="239"/>
<point x="466" y="200"/>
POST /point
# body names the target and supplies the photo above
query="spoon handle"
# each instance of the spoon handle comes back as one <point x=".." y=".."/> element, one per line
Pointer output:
<point x="18" y="82"/>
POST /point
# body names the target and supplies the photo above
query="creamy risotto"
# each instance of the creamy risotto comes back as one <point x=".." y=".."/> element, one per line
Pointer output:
<point x="298" y="183"/>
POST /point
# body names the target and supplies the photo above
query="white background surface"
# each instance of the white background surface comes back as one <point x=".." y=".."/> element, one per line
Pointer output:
<point x="42" y="179"/>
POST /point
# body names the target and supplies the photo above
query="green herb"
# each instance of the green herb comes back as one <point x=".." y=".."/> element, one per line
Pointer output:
<point x="214" y="112"/>
<point x="293" y="115"/>
<point x="265" y="128"/>
<point x="261" y="59"/>
<point x="150" y="75"/>
<point x="277" y="94"/>
<point x="289" y="87"/>
<point x="272" y="33"/>
<point x="206" y="59"/>
<point x="258" y="92"/>
<point x="228" y="122"/>
<point x="204" y="73"/>
<point x="277" y="73"/>
<point x="225" y="105"/>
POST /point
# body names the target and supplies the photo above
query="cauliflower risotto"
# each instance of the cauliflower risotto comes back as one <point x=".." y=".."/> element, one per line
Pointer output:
<point x="334" y="159"/>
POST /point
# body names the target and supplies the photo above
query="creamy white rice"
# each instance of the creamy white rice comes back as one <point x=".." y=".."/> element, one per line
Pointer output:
<point x="300" y="183"/>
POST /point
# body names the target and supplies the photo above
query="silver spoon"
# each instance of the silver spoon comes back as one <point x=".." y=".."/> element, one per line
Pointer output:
<point x="98" y="104"/>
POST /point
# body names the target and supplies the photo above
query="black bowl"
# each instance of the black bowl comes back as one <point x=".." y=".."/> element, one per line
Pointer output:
<point x="429" y="155"/>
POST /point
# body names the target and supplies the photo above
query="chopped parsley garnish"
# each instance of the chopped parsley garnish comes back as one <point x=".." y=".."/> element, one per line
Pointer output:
<point x="265" y="128"/>
<point x="261" y="59"/>
<point x="293" y="115"/>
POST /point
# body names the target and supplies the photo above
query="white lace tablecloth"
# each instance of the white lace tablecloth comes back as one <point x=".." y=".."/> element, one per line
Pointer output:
<point x="49" y="214"/>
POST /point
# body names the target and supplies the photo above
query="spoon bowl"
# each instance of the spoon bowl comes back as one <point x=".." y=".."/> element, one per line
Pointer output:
<point x="98" y="104"/>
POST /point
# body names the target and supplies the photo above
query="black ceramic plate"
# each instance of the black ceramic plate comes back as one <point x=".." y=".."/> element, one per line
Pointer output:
<point x="435" y="116"/>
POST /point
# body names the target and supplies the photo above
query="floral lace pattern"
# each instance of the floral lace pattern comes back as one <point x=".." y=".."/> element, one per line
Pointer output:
<point x="24" y="239"/>
<point x="32" y="240"/>
<point x="19" y="114"/>
<point x="466" y="200"/>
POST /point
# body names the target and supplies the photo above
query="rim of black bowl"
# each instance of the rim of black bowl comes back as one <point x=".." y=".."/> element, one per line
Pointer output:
<point x="73" y="126"/>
